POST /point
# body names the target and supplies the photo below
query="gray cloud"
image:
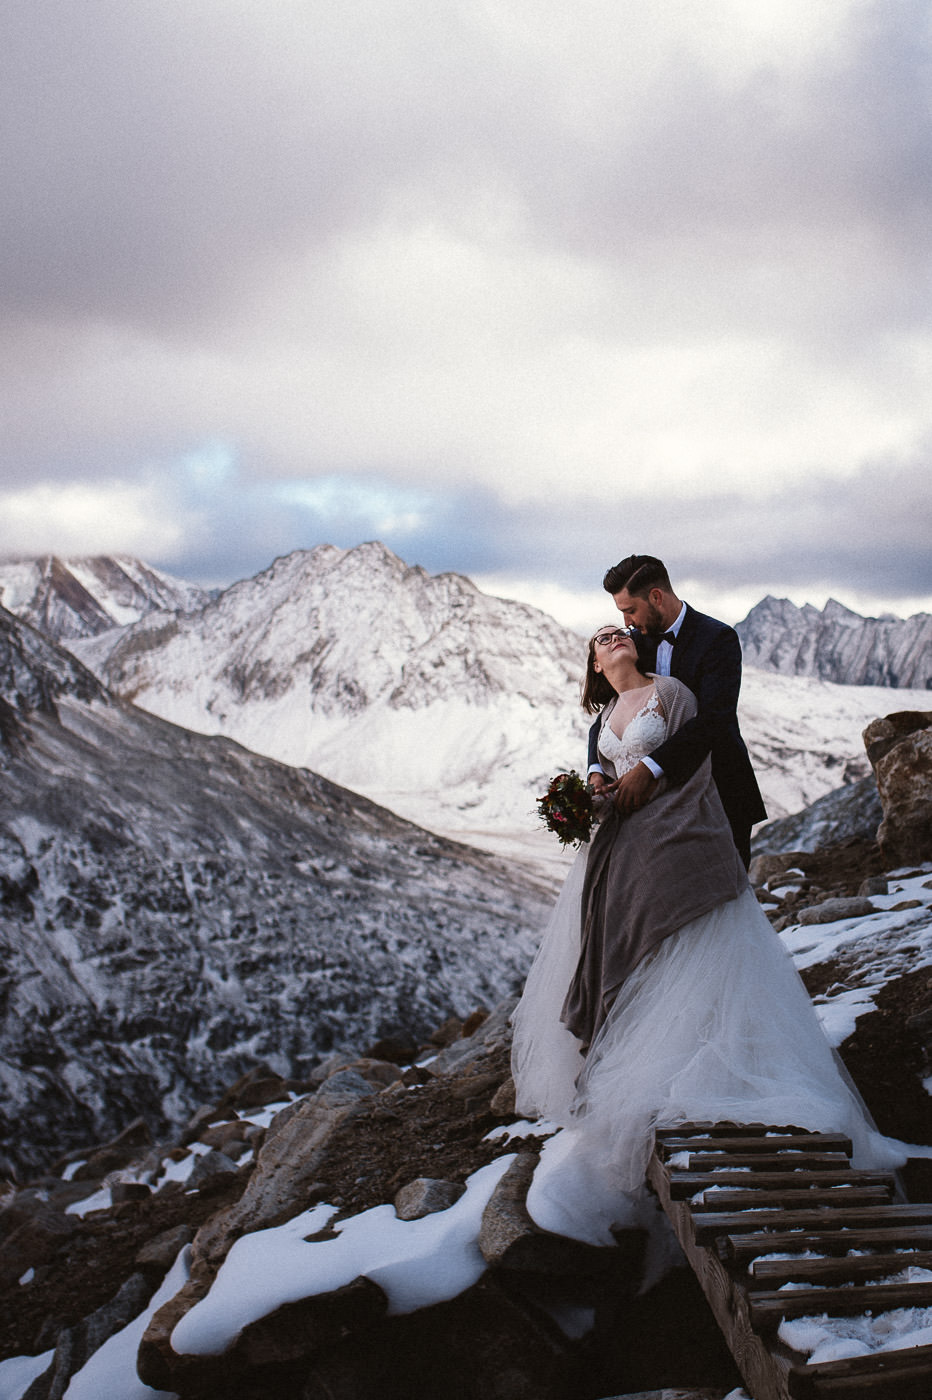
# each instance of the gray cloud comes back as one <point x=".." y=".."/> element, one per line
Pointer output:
<point x="869" y="534"/>
<point x="157" y="154"/>
<point x="504" y="262"/>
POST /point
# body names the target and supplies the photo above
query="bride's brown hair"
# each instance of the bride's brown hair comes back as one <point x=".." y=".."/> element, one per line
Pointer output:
<point x="597" y="690"/>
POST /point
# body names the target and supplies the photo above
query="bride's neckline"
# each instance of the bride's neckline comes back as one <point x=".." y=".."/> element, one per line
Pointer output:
<point x="626" y="710"/>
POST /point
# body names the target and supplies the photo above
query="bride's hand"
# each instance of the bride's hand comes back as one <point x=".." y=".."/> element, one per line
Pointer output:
<point x="602" y="793"/>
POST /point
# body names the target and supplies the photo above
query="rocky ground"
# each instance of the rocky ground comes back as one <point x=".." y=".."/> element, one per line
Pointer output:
<point x="500" y="1337"/>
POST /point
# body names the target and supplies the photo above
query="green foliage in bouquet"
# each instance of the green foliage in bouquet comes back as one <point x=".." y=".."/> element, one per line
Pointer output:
<point x="566" y="808"/>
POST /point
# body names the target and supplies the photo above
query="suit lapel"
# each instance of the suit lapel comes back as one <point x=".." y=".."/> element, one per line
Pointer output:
<point x="680" y="661"/>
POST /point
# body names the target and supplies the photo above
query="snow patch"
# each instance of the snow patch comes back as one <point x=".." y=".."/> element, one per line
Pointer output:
<point x="415" y="1262"/>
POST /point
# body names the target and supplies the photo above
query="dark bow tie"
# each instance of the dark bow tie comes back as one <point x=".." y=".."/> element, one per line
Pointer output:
<point x="669" y="637"/>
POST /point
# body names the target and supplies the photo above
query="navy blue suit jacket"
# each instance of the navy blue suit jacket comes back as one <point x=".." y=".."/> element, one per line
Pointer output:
<point x="707" y="658"/>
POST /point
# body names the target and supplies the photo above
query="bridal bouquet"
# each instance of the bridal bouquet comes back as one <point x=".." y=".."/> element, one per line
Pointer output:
<point x="566" y="808"/>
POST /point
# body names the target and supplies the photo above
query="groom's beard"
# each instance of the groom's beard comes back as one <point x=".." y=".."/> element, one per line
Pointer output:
<point x="654" y="625"/>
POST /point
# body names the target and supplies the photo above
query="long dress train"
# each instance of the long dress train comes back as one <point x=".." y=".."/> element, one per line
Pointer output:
<point x="714" y="1024"/>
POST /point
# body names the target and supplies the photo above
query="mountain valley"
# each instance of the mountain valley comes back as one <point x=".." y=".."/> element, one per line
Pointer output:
<point x="176" y="908"/>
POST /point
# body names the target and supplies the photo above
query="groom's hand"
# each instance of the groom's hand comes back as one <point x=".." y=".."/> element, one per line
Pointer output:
<point x="633" y="790"/>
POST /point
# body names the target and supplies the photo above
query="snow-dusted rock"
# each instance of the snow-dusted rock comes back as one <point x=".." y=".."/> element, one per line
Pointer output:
<point x="851" y="812"/>
<point x="176" y="908"/>
<point x="288" y="1163"/>
<point x="837" y="644"/>
<point x="82" y="597"/>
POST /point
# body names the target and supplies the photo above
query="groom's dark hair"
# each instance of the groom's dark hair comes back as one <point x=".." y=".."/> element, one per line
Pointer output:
<point x="639" y="573"/>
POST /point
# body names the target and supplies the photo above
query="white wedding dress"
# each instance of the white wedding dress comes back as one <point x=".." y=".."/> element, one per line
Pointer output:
<point x="713" y="1025"/>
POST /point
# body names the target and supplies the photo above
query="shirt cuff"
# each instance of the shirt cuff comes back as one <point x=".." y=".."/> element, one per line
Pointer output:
<point x="655" y="768"/>
<point x="595" y="768"/>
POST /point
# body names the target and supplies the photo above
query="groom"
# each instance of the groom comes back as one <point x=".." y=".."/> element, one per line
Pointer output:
<point x="706" y="656"/>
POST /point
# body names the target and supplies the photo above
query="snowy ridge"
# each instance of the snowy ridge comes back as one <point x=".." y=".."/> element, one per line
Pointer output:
<point x="837" y="644"/>
<point x="451" y="707"/>
<point x="82" y="597"/>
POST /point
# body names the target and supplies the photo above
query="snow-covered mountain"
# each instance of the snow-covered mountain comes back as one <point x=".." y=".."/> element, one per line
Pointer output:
<point x="67" y="598"/>
<point x="447" y="705"/>
<point x="451" y="707"/>
<point x="175" y="908"/>
<point x="837" y="644"/>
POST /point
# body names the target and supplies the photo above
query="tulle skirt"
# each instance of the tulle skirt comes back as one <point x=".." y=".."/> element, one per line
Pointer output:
<point x="714" y="1025"/>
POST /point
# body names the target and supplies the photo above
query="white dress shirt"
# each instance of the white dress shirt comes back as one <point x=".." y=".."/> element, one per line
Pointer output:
<point x="662" y="668"/>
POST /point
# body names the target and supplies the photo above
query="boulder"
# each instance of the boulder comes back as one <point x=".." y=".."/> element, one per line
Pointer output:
<point x="831" y="910"/>
<point x="211" y="1172"/>
<point x="300" y="1329"/>
<point x="259" y="1087"/>
<point x="158" y="1254"/>
<point x="881" y="735"/>
<point x="35" y="1237"/>
<point x="379" y="1073"/>
<point x="157" y="1364"/>
<point x="766" y="865"/>
<point x="482" y="1343"/>
<point x="220" y="1135"/>
<point x="503" y="1100"/>
<point x="399" y="1049"/>
<point x="425" y="1195"/>
<point x="900" y="750"/>
<point x="284" y="1182"/>
<point x="352" y="1080"/>
<point x="288" y="1163"/>
<point x="462" y="1055"/>
<point x="123" y="1191"/>
<point x="509" y="1239"/>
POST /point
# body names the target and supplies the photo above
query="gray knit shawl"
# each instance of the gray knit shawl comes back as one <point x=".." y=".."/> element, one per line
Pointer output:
<point x="648" y="874"/>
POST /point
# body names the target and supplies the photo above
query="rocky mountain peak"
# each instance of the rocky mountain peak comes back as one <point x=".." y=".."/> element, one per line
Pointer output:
<point x="34" y="673"/>
<point x="87" y="595"/>
<point x="837" y="644"/>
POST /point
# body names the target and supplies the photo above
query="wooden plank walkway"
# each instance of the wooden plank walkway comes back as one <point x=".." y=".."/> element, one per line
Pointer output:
<point x="733" y="1194"/>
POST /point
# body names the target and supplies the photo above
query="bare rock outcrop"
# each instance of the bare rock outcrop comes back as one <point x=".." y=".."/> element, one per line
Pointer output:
<point x="900" y="751"/>
<point x="837" y="644"/>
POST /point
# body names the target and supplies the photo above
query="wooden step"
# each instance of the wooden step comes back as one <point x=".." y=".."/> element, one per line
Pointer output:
<point x="884" y="1375"/>
<point x="768" y="1309"/>
<point x="841" y="1197"/>
<point x="847" y="1269"/>
<point x="767" y="1161"/>
<point x="788" y="1198"/>
<point x="740" y="1249"/>
<point x="756" y="1140"/>
<point x="686" y="1183"/>
<point x="711" y="1224"/>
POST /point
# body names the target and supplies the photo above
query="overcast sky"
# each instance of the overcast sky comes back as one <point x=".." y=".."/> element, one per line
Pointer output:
<point x="516" y="286"/>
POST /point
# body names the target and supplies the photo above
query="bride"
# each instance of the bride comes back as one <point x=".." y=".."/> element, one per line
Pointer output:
<point x="660" y="994"/>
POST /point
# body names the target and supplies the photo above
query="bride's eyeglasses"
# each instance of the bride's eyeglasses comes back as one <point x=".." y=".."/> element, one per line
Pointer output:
<point x="605" y="639"/>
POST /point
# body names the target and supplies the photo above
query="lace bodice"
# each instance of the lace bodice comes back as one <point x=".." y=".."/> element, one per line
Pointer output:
<point x="643" y="733"/>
